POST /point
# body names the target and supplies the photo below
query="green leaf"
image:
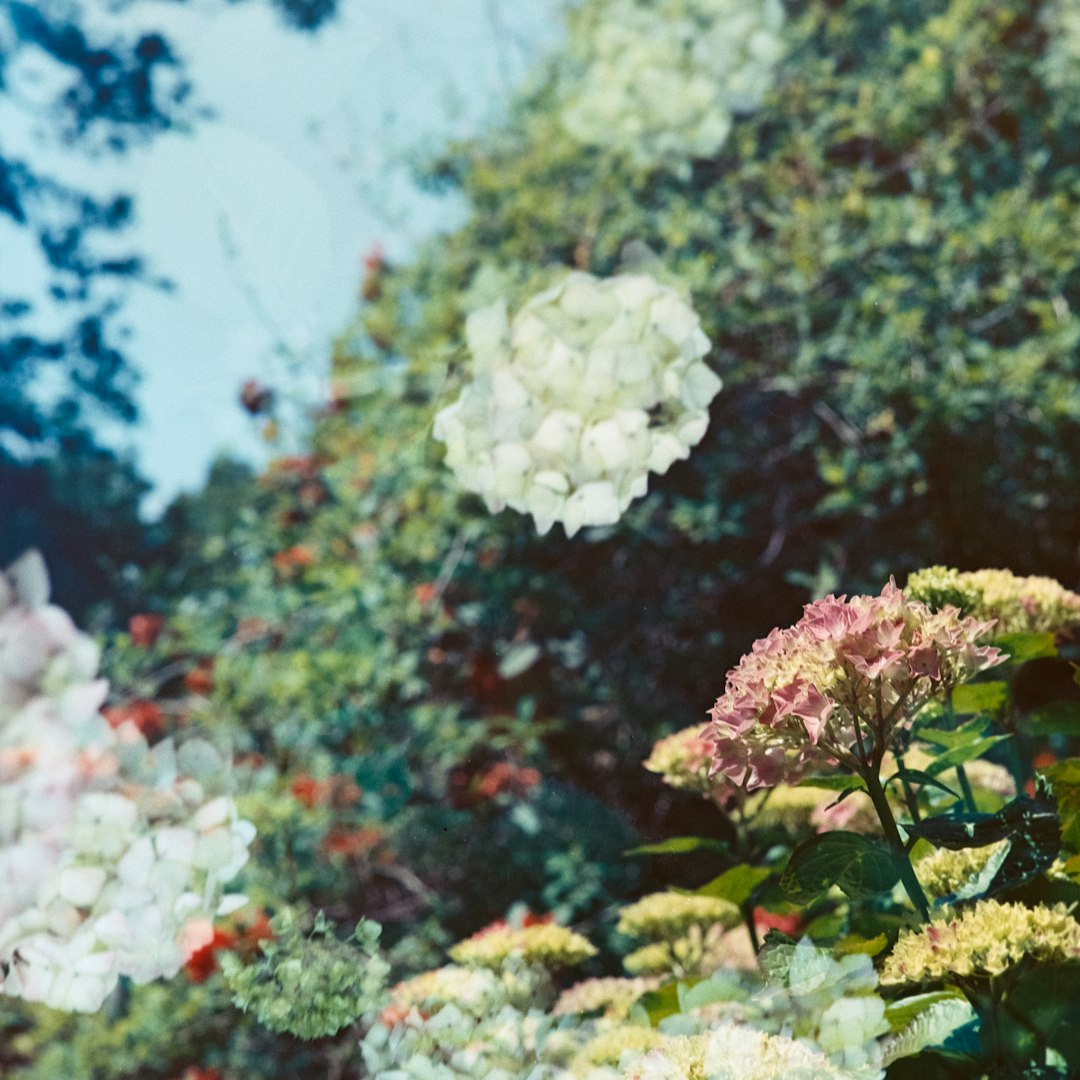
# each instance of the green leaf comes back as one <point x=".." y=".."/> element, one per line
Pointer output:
<point x="735" y="884"/>
<point x="979" y="697"/>
<point x="679" y="845"/>
<point x="1021" y="647"/>
<point x="917" y="776"/>
<point x="660" y="1003"/>
<point x="1065" y="784"/>
<point x="853" y="943"/>
<point x="1057" y="718"/>
<point x="961" y="754"/>
<point x="861" y="866"/>
<point x="833" y="783"/>
<point x="966" y="733"/>
<point x="722" y="985"/>
<point x="901" y="1013"/>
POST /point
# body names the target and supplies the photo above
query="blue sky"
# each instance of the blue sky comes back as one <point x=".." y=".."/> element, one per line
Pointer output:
<point x="262" y="216"/>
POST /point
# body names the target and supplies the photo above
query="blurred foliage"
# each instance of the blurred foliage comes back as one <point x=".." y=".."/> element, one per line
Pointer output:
<point x="80" y="83"/>
<point x="436" y="713"/>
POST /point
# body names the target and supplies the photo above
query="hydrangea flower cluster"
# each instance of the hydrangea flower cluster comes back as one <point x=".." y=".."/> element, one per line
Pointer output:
<point x="545" y="944"/>
<point x="683" y="761"/>
<point x="983" y="941"/>
<point x="731" y="1052"/>
<point x="309" y="985"/>
<point x="663" y="79"/>
<point x="839" y="684"/>
<point x="945" y="873"/>
<point x="613" y="997"/>
<point x="1016" y="604"/>
<point x="671" y="914"/>
<point x="594" y="384"/>
<point x="113" y="854"/>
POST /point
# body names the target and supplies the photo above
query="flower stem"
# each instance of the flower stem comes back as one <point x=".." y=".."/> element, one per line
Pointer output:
<point x="965" y="789"/>
<point x="892" y="835"/>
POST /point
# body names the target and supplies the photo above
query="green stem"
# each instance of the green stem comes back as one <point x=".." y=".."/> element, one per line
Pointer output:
<point x="965" y="788"/>
<point x="910" y="799"/>
<point x="892" y="835"/>
<point x="748" y="918"/>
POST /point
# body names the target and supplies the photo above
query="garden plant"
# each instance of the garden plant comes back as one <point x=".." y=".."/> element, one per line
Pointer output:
<point x="661" y="660"/>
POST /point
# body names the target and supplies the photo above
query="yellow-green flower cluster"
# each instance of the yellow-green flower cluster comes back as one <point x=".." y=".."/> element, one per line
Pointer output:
<point x="545" y="945"/>
<point x="985" y="940"/>
<point x="613" y="997"/>
<point x="607" y="1048"/>
<point x="683" y="761"/>
<point x="944" y="872"/>
<point x="1019" y="604"/>
<point x="668" y="915"/>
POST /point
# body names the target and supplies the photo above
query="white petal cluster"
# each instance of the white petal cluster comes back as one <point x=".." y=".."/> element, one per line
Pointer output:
<point x="594" y="384"/>
<point x="731" y="1052"/>
<point x="112" y="854"/>
<point x="662" y="79"/>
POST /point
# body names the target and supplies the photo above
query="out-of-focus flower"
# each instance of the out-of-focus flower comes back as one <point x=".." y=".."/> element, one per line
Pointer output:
<point x="200" y="679"/>
<point x="731" y="1052"/>
<point x="983" y="941"/>
<point x="594" y="384"/>
<point x="352" y="843"/>
<point x="1015" y="604"/>
<point x="145" y="629"/>
<point x="662" y="79"/>
<point x="683" y="761"/>
<point x="843" y="680"/>
<point x="670" y="914"/>
<point x="611" y="996"/>
<point x="544" y="945"/>
<point x="113" y="855"/>
<point x="504" y="777"/>
<point x="202" y="963"/>
<point x="298" y="557"/>
<point x="606" y="1049"/>
<point x="145" y="715"/>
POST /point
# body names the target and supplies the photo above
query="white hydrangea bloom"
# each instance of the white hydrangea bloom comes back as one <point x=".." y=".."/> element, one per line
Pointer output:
<point x="1060" y="64"/>
<point x="662" y="79"/>
<point x="589" y="388"/>
<point x="112" y="854"/>
<point x="732" y="1052"/>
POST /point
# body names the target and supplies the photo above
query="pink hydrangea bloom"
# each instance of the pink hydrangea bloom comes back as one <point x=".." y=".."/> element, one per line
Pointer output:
<point x="839" y="683"/>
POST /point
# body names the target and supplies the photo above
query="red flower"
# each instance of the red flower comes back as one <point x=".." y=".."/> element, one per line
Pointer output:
<point x="505" y="777"/>
<point x="771" y="920"/>
<point x="297" y="556"/>
<point x="144" y="629"/>
<point x="197" y="1072"/>
<point x="202" y="963"/>
<point x="309" y="791"/>
<point x="352" y="843"/>
<point x="145" y="715"/>
<point x="200" y="679"/>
